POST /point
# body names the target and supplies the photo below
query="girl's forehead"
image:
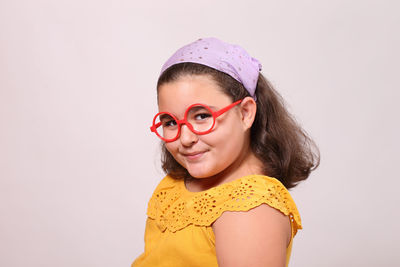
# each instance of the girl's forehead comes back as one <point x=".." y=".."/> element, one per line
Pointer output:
<point x="176" y="96"/>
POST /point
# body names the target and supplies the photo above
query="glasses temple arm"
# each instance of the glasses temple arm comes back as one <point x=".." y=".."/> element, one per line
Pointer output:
<point x="225" y="109"/>
<point x="155" y="126"/>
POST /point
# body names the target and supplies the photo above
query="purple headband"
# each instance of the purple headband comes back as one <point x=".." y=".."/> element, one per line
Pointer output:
<point x="230" y="59"/>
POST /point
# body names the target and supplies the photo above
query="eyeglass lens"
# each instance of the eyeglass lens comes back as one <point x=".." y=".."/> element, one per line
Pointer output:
<point x="199" y="117"/>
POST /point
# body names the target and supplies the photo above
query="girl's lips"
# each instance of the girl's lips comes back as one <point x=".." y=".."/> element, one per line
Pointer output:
<point x="193" y="156"/>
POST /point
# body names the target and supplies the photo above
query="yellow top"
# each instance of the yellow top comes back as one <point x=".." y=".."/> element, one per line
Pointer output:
<point x="178" y="228"/>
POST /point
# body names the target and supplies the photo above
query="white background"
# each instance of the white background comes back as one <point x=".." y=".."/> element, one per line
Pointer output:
<point x="77" y="95"/>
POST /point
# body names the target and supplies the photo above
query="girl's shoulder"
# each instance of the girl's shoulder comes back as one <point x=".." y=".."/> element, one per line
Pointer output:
<point x="174" y="207"/>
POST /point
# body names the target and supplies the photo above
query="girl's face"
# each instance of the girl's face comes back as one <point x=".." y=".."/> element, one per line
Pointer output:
<point x="210" y="154"/>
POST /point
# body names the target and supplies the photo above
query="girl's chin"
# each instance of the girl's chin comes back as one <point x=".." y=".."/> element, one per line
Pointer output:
<point x="202" y="172"/>
<point x="199" y="175"/>
<point x="199" y="172"/>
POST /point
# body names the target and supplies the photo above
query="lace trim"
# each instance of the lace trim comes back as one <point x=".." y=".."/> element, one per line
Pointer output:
<point x="174" y="208"/>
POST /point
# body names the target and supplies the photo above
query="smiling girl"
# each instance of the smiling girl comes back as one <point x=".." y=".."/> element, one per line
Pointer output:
<point x="230" y="150"/>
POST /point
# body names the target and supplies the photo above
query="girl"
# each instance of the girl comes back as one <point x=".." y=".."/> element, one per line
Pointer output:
<point x="230" y="151"/>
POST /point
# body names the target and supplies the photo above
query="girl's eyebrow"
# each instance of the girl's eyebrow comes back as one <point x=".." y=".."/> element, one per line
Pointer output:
<point x="200" y="106"/>
<point x="214" y="108"/>
<point x="165" y="116"/>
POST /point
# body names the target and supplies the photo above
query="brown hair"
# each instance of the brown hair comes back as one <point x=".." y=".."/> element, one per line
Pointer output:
<point x="287" y="152"/>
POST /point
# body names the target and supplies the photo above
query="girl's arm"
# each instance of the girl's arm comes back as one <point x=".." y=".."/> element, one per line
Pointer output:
<point x="258" y="237"/>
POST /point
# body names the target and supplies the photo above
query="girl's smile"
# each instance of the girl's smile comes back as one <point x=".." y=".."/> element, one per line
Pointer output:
<point x="193" y="156"/>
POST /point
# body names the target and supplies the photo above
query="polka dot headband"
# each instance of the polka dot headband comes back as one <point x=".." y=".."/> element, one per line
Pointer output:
<point x="230" y="59"/>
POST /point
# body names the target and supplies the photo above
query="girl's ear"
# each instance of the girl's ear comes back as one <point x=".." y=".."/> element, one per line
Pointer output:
<point x="248" y="109"/>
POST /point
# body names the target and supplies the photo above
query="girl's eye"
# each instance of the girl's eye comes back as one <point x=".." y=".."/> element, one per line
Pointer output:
<point x="169" y="123"/>
<point x="202" y="116"/>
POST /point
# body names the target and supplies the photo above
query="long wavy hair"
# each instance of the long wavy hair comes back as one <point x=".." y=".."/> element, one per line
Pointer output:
<point x="286" y="151"/>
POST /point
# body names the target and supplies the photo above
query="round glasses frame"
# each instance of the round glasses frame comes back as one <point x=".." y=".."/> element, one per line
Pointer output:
<point x="215" y="115"/>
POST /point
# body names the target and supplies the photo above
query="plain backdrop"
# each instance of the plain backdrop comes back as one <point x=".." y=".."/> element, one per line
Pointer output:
<point x="77" y="95"/>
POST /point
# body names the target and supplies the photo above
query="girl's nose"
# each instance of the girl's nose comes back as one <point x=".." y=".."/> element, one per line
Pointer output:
<point x="187" y="137"/>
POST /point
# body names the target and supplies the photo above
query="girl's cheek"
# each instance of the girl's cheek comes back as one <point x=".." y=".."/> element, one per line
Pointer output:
<point x="170" y="149"/>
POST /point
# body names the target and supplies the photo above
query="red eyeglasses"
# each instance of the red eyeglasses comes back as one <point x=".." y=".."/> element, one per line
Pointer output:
<point x="199" y="118"/>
